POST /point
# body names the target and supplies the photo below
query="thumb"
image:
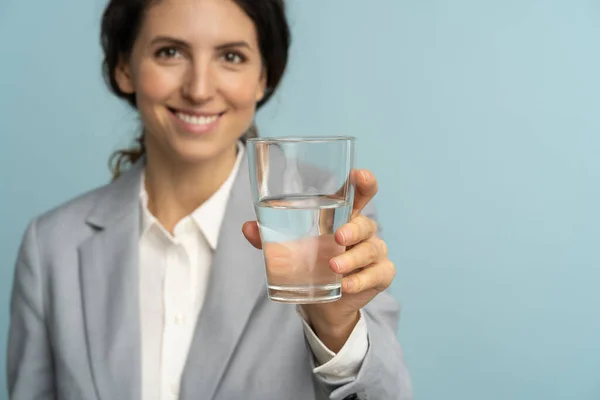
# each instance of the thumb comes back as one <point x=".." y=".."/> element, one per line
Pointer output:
<point x="250" y="231"/>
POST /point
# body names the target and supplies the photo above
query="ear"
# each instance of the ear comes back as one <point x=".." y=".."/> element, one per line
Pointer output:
<point x="262" y="86"/>
<point x="124" y="77"/>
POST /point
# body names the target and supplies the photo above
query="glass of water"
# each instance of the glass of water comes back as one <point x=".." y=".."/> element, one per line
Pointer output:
<point x="303" y="192"/>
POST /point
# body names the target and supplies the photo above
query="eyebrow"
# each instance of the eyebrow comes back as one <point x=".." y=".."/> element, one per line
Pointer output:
<point x="169" y="39"/>
<point x="234" y="44"/>
<point x="183" y="43"/>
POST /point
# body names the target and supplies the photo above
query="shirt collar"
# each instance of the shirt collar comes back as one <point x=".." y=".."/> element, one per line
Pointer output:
<point x="209" y="216"/>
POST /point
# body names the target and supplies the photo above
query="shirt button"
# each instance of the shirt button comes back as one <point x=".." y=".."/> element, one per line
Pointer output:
<point x="179" y="319"/>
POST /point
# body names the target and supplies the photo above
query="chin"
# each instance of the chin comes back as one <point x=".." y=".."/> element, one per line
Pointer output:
<point x="200" y="153"/>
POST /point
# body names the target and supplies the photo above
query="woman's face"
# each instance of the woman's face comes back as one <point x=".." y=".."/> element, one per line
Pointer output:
<point x="197" y="74"/>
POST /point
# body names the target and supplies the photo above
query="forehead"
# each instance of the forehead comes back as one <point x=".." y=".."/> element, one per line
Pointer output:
<point x="201" y="21"/>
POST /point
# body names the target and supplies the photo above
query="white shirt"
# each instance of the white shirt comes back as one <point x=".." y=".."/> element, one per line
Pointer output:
<point x="174" y="271"/>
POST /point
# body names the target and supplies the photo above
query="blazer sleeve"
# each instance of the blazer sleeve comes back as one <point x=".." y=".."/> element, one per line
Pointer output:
<point x="30" y="373"/>
<point x="383" y="373"/>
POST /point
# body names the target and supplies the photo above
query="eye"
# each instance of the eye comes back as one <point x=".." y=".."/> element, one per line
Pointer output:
<point x="167" y="52"/>
<point x="234" y="57"/>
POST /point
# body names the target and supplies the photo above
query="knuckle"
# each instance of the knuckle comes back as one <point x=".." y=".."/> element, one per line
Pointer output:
<point x="353" y="259"/>
<point x="386" y="273"/>
<point x="383" y="248"/>
<point x="360" y="223"/>
<point x="374" y="227"/>
<point x="355" y="228"/>
<point x="391" y="271"/>
<point x="357" y="284"/>
<point x="372" y="251"/>
<point x="382" y="283"/>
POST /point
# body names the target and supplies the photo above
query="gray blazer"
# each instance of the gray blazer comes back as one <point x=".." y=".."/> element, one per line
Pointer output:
<point x="75" y="323"/>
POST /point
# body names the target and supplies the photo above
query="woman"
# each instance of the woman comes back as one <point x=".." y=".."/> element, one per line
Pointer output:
<point x="145" y="288"/>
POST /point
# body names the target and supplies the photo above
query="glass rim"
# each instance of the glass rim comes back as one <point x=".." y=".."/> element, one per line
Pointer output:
<point x="302" y="139"/>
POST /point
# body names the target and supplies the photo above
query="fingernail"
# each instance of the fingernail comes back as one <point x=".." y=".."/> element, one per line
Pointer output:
<point x="337" y="266"/>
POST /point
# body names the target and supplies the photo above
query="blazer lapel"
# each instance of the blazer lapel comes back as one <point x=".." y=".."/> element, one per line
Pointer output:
<point x="236" y="284"/>
<point x="109" y="282"/>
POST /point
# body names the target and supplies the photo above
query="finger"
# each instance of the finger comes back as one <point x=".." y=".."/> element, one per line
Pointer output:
<point x="250" y="231"/>
<point x="327" y="248"/>
<point x="359" y="229"/>
<point x="359" y="256"/>
<point x="366" y="189"/>
<point x="280" y="261"/>
<point x="377" y="277"/>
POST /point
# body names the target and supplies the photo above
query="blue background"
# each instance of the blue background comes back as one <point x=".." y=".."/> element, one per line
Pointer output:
<point x="480" y="120"/>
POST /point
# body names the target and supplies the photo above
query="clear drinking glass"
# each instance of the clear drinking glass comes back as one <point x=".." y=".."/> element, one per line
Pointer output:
<point x="302" y="193"/>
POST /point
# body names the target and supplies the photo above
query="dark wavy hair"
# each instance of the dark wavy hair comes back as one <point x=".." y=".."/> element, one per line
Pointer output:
<point x="120" y="26"/>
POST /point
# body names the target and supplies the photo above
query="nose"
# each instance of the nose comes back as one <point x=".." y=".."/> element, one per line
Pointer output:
<point x="199" y="86"/>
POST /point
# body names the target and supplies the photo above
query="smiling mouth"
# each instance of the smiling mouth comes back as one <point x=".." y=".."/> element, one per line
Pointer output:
<point x="196" y="119"/>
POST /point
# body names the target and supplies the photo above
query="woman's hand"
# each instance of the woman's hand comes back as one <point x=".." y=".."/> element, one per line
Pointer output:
<point x="365" y="265"/>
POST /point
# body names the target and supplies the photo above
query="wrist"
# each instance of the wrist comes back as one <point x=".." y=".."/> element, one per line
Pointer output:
<point x="333" y="334"/>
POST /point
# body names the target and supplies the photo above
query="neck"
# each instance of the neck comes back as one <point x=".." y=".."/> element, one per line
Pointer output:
<point x="175" y="190"/>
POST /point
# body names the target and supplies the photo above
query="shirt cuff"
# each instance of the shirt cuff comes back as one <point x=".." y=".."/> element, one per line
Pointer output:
<point x="348" y="361"/>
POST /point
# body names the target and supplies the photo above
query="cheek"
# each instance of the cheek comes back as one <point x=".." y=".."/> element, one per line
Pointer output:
<point x="240" y="93"/>
<point x="154" y="83"/>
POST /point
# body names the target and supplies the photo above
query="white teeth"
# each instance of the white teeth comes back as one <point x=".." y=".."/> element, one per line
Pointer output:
<point x="192" y="119"/>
